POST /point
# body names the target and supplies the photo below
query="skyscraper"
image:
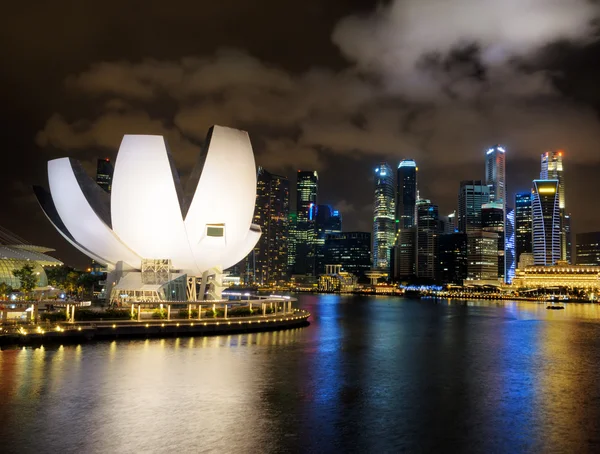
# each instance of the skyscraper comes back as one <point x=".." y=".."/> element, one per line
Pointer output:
<point x="452" y="258"/>
<point x="546" y="222"/>
<point x="568" y="237"/>
<point x="327" y="221"/>
<point x="292" y="236"/>
<point x="492" y="220"/>
<point x="449" y="223"/>
<point x="405" y="254"/>
<point x="523" y="224"/>
<point x="471" y="196"/>
<point x="352" y="250"/>
<point x="384" y="229"/>
<point x="552" y="169"/>
<point x="307" y="187"/>
<point x="406" y="194"/>
<point x="495" y="174"/>
<point x="104" y="174"/>
<point x="588" y="248"/>
<point x="510" y="262"/>
<point x="427" y="233"/>
<point x="269" y="263"/>
<point x="482" y="252"/>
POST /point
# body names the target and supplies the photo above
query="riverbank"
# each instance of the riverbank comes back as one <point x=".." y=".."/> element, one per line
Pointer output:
<point x="78" y="332"/>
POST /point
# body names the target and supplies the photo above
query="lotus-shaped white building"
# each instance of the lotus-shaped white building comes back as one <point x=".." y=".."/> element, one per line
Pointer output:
<point x="149" y="231"/>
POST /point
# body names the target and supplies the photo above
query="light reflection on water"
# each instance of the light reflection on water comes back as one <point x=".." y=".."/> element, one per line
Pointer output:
<point x="369" y="375"/>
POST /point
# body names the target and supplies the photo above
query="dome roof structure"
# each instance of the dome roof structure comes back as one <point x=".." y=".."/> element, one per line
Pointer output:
<point x="16" y="253"/>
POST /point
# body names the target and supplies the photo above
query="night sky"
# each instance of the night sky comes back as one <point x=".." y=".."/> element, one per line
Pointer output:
<point x="335" y="85"/>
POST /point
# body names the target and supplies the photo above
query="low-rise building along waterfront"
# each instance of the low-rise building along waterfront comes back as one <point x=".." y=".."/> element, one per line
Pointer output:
<point x="560" y="275"/>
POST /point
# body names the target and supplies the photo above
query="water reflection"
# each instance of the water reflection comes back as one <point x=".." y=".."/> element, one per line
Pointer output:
<point x="369" y="375"/>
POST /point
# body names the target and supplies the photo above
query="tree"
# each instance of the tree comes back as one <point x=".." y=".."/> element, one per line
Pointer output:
<point x="5" y="289"/>
<point x="27" y="277"/>
<point x="57" y="275"/>
<point x="71" y="282"/>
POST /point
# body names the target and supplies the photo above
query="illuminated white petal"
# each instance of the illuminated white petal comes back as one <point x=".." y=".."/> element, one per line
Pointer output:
<point x="145" y="204"/>
<point x="82" y="222"/>
<point x="225" y="195"/>
<point x="236" y="253"/>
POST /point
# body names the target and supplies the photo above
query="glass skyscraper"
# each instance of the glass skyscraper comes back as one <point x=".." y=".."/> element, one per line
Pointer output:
<point x="327" y="221"/>
<point x="510" y="262"/>
<point x="471" y="196"/>
<point x="546" y="222"/>
<point x="406" y="194"/>
<point x="270" y="261"/>
<point x="495" y="177"/>
<point x="292" y="235"/>
<point x="552" y="169"/>
<point x="492" y="220"/>
<point x="383" y="217"/>
<point x="452" y="258"/>
<point x="427" y="233"/>
<point x="523" y="224"/>
<point x="352" y="250"/>
<point x="307" y="188"/>
<point x="568" y="237"/>
<point x="482" y="252"/>
<point x="104" y="174"/>
<point x="588" y="248"/>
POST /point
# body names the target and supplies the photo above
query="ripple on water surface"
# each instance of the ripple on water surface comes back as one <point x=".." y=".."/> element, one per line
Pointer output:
<point x="371" y="374"/>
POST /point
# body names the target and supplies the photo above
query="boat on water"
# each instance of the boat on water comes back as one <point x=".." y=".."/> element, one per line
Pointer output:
<point x="555" y="307"/>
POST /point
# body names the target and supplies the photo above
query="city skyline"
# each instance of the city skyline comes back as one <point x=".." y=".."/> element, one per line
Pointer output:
<point x="331" y="101"/>
<point x="316" y="226"/>
<point x="310" y="190"/>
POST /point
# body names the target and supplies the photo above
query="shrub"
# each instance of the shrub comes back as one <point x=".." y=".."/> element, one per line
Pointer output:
<point x="159" y="313"/>
<point x="239" y="312"/>
<point x="183" y="313"/>
<point x="59" y="316"/>
<point x="109" y="314"/>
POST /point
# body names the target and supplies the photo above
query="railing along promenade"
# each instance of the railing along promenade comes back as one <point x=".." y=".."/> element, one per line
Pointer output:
<point x="158" y="319"/>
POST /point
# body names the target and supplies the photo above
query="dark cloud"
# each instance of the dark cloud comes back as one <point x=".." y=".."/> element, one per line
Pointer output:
<point x="335" y="88"/>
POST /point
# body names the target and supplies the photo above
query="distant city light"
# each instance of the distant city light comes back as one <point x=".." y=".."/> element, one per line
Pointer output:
<point x="407" y="163"/>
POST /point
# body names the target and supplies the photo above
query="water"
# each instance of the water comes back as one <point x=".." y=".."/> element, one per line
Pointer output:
<point x="371" y="374"/>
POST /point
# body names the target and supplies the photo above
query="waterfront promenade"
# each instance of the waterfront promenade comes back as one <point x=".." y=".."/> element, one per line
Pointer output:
<point x="242" y="316"/>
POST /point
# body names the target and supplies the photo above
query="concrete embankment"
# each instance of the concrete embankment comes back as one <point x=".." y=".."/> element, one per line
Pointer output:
<point x="101" y="330"/>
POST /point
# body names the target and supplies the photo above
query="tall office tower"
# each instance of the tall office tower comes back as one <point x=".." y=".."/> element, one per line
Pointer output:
<point x="568" y="237"/>
<point x="546" y="222"/>
<point x="269" y="264"/>
<point x="482" y="253"/>
<point x="292" y="235"/>
<point x="523" y="225"/>
<point x="552" y="169"/>
<point x="448" y="223"/>
<point x="405" y="254"/>
<point x="495" y="174"/>
<point x="307" y="187"/>
<point x="352" y="250"/>
<point x="384" y="229"/>
<point x="471" y="196"/>
<point x="327" y="221"/>
<point x="104" y="174"/>
<point x="406" y="194"/>
<point x="427" y="233"/>
<point x="452" y="258"/>
<point x="492" y="220"/>
<point x="588" y="248"/>
<point x="510" y="262"/>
